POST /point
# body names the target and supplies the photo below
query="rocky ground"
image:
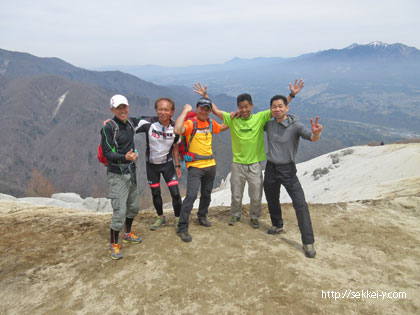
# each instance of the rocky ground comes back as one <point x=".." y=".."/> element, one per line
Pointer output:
<point x="56" y="261"/>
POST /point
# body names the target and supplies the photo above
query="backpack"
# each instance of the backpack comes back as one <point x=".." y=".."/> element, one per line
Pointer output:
<point x="183" y="147"/>
<point x="101" y="158"/>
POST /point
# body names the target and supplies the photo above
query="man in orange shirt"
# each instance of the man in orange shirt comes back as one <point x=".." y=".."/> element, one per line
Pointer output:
<point x="202" y="166"/>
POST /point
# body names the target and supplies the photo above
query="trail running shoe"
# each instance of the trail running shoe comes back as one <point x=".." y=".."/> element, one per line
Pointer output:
<point x="131" y="238"/>
<point x="115" y="251"/>
<point x="158" y="223"/>
<point x="185" y="236"/>
<point x="255" y="223"/>
<point x="275" y="230"/>
<point x="234" y="220"/>
<point x="204" y="222"/>
<point x="176" y="224"/>
<point x="309" y="250"/>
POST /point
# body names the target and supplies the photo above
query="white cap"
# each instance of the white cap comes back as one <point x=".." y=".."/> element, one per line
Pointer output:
<point x="117" y="100"/>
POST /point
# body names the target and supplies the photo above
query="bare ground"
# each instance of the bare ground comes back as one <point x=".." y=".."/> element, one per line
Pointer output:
<point x="56" y="261"/>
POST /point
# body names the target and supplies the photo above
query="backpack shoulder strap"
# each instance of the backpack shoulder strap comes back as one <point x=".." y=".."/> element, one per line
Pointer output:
<point x="193" y="132"/>
<point x="132" y="128"/>
<point x="210" y="125"/>
<point x="130" y="121"/>
<point x="113" y="124"/>
<point x="132" y="125"/>
<point x="115" y="130"/>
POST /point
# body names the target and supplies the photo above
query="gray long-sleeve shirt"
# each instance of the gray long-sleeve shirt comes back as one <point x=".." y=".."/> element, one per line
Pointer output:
<point x="283" y="139"/>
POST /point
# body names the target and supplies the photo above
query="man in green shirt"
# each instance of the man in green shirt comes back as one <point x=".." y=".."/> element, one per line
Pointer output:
<point x="247" y="133"/>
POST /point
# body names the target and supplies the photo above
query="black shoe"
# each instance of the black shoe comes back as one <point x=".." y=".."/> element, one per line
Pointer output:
<point x="204" y="222"/>
<point x="255" y="223"/>
<point x="185" y="236"/>
<point x="309" y="250"/>
<point x="275" y="230"/>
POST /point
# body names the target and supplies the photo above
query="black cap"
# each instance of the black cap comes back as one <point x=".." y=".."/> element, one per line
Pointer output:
<point x="204" y="101"/>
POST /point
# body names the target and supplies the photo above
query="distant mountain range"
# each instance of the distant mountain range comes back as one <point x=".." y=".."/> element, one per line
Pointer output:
<point x="17" y="65"/>
<point x="375" y="52"/>
<point x="52" y="111"/>
<point x="376" y="83"/>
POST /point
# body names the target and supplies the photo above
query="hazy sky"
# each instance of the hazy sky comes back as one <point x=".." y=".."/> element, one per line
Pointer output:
<point x="92" y="33"/>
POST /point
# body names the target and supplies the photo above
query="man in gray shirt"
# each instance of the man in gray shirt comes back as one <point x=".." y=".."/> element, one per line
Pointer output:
<point x="283" y="135"/>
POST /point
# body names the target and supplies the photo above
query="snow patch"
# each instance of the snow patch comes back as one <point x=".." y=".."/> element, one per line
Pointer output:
<point x="60" y="102"/>
<point x="3" y="67"/>
<point x="378" y="44"/>
<point x="356" y="173"/>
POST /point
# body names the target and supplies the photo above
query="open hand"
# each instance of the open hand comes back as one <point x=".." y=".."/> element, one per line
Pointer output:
<point x="295" y="88"/>
<point x="200" y="90"/>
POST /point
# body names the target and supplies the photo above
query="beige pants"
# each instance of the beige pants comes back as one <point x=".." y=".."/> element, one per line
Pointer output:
<point x="251" y="174"/>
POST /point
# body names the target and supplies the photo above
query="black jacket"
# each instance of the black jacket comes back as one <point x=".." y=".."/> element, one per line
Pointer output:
<point x="115" y="154"/>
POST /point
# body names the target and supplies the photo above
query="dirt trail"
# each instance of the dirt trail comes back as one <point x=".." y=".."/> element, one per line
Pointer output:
<point x="56" y="261"/>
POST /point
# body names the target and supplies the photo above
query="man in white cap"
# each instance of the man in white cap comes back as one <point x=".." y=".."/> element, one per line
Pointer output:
<point x="117" y="140"/>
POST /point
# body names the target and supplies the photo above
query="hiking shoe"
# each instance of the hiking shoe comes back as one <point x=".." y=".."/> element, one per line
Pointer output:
<point x="275" y="230"/>
<point x="309" y="250"/>
<point x="234" y="220"/>
<point x="255" y="223"/>
<point x="158" y="223"/>
<point x="204" y="222"/>
<point x="131" y="238"/>
<point x="185" y="236"/>
<point x="115" y="251"/>
<point x="176" y="224"/>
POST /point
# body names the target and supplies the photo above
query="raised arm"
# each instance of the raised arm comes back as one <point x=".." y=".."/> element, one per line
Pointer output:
<point x="179" y="124"/>
<point x="202" y="91"/>
<point x="175" y="153"/>
<point x="217" y="111"/>
<point x="316" y="129"/>
<point x="294" y="89"/>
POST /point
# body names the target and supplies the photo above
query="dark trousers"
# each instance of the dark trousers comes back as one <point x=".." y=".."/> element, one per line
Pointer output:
<point x="168" y="172"/>
<point x="196" y="177"/>
<point x="285" y="174"/>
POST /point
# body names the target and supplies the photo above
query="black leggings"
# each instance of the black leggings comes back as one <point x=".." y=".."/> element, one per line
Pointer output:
<point x="169" y="174"/>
